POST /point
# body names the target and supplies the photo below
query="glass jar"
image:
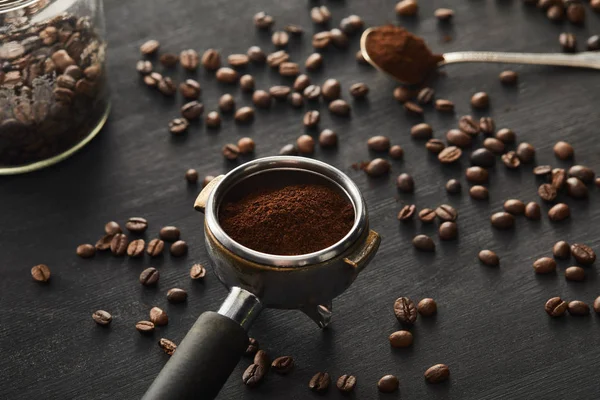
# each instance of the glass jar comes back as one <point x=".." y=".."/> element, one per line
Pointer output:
<point x="53" y="87"/>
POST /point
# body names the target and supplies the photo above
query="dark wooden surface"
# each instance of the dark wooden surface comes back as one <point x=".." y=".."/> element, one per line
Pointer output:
<point x="491" y="328"/>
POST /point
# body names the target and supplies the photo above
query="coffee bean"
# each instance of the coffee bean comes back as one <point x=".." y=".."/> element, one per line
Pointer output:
<point x="244" y="115"/>
<point x="576" y="188"/>
<point x="407" y="212"/>
<point x="488" y="257"/>
<point x="306" y="144"/>
<point x="453" y="186"/>
<point x="339" y="38"/>
<point x="226" y="75"/>
<point x="252" y="347"/>
<point x="479" y="192"/>
<point x="149" y="276"/>
<point x="563" y="150"/>
<point x="168" y="346"/>
<point x="448" y="230"/>
<point x="559" y="212"/>
<point x="189" y="59"/>
<point x="289" y="69"/>
<point x="437" y="373"/>
<point x="556" y="12"/>
<point x="169" y="233"/>
<point x="192" y="110"/>
<point x="319" y="382"/>
<point x="152" y="79"/>
<point x="312" y="92"/>
<point x="483" y="158"/>
<point x="313" y="62"/>
<point x="578" y="308"/>
<point x="568" y="42"/>
<point x="86" y="250"/>
<point x="427" y="307"/>
<point x="480" y="100"/>
<point x="320" y="15"/>
<point x="561" y="250"/>
<point x="425" y="95"/>
<point x="311" y="118"/>
<point x="525" y="152"/>
<point x="144" y="327"/>
<point x="262" y="358"/>
<point x="423" y="243"/>
<point x="226" y="103"/>
<point x="136" y="248"/>
<point x="179" y="248"/>
<point x="443" y="14"/>
<point x="598" y="182"/>
<point x="176" y="295"/>
<point x="40" y="273"/>
<point x="191" y="175"/>
<point x="143" y="67"/>
<point x="197" y="272"/>
<point x="104" y="242"/>
<point x="253" y="375"/>
<point x="169" y="60"/>
<point x="379" y="143"/>
<point x="190" y="89"/>
<point x="502" y="220"/>
<point x="405" y="310"/>
<point x="476" y="174"/>
<point x="458" y="138"/>
<point x="593" y="42"/>
<point x="449" y="155"/>
<point x="406" y="8"/>
<point x="166" y="86"/>
<point x="585" y="174"/>
<point x="283" y="365"/>
<point x="351" y="24"/>
<point x="302" y="82"/>
<point x="177" y="126"/>
<point x="155" y="247"/>
<point x="446" y="212"/>
<point x="238" y="60"/>
<point x="118" y="244"/>
<point x="576" y="13"/>
<point x="435" y="146"/>
<point x="494" y="145"/>
<point x="413" y="108"/>
<point x="331" y="89"/>
<point x="583" y="254"/>
<point x="597" y="305"/>
<point x="262" y="20"/>
<point x="247" y="83"/>
<point x="275" y="59"/>
<point x="575" y="273"/>
<point x="230" y="151"/>
<point x="514" y="207"/>
<point x="102" y="317"/>
<point x="555" y="307"/>
<point x="294" y="29"/>
<point x="401" y="339"/>
<point x="339" y="107"/>
<point x="261" y="99"/>
<point x="509" y="78"/>
<point x="506" y="135"/>
<point x="158" y="317"/>
<point x="346" y="383"/>
<point x="112" y="228"/>
<point x="321" y="40"/>
<point x="533" y="211"/>
<point x="444" y="105"/>
<point x="288" y="150"/>
<point x="246" y="145"/>
<point x="421" y="131"/>
<point x="427" y="215"/>
<point x="544" y="265"/>
<point x="389" y="383"/>
<point x="558" y="178"/>
<point x="358" y="56"/>
<point x="359" y="90"/>
<point x="296" y="100"/>
<point x="547" y="192"/>
<point x="149" y="47"/>
<point x="405" y="183"/>
<point x="136" y="225"/>
<point x="403" y="94"/>
<point x="327" y="138"/>
<point x="542" y="170"/>
<point x="511" y="160"/>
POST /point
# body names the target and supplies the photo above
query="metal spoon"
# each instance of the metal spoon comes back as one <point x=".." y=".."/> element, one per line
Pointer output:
<point x="582" y="60"/>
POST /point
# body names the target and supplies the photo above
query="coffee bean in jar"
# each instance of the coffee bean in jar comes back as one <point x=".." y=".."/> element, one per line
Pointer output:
<point x="53" y="86"/>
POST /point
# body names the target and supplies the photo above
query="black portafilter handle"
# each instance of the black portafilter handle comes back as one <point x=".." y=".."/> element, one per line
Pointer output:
<point x="205" y="358"/>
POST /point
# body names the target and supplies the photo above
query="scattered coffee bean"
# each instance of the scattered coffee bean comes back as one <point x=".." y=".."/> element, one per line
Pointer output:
<point x="247" y="83"/>
<point x="179" y="248"/>
<point x="191" y="175"/>
<point x="563" y="150"/>
<point x="396" y="152"/>
<point x="502" y="220"/>
<point x="494" y="145"/>
<point x="158" y="317"/>
<point x="506" y="135"/>
<point x="511" y="160"/>
<point x="144" y="327"/>
<point x="302" y="82"/>
<point x="559" y="212"/>
<point x="321" y="40"/>
<point x="413" y="108"/>
<point x="226" y="75"/>
<point x="238" y="60"/>
<point x="118" y="244"/>
<point x="313" y="62"/>
<point x="578" y="308"/>
<point x="444" y="105"/>
<point x="327" y="138"/>
<point x="346" y="383"/>
<point x="275" y="59"/>
<point x="226" y="103"/>
<point x="112" y="228"/>
<point x="190" y="89"/>
<point x="136" y="225"/>
<point x="104" y="242"/>
<point x="102" y="317"/>
<point x="480" y="100"/>
<point x="288" y="150"/>
<point x="261" y="99"/>
<point x="246" y="145"/>
<point x="544" y="265"/>
<point x="456" y="137"/>
<point x="490" y="258"/>
<point x="401" y="339"/>
<point x="311" y="119"/>
<point x="403" y="94"/>
<point x="597" y="305"/>
<point x="425" y="96"/>
<point x="405" y="310"/>
<point x="561" y="250"/>
<point x="169" y="233"/>
<point x="177" y="126"/>
<point x="339" y="107"/>
<point x="421" y="131"/>
<point x="339" y="38"/>
<point x="252" y="347"/>
<point x="487" y="126"/>
<point x="446" y="212"/>
<point x="405" y="183"/>
<point x="359" y="90"/>
<point x="476" y="174"/>
<point x="453" y="186"/>
<point x="86" y="250"/>
<point x="167" y="87"/>
<point x="435" y="146"/>
<point x="253" y="375"/>
<point x="149" y="47"/>
<point x="379" y="143"/>
<point x="427" y="307"/>
<point x="575" y="13"/>
<point x="143" y="67"/>
<point x="169" y="60"/>
<point x="283" y="365"/>
<point x="319" y="382"/>
<point x="262" y="358"/>
<point x="449" y="155"/>
<point x="423" y="243"/>
<point x="389" y="383"/>
<point x="407" y="212"/>
<point x="331" y="89"/>
<point x="576" y="188"/>
<point x="168" y="346"/>
<point x="294" y="29"/>
<point x="593" y="42"/>
<point x="176" y="295"/>
<point x="351" y="24"/>
<point x="211" y="59"/>
<point x="263" y="21"/>
<point x="296" y="100"/>
<point x="444" y="14"/>
<point x="514" y="206"/>
<point x="437" y="373"/>
<point x="542" y="170"/>
<point x="585" y="174"/>
<point x="136" y="248"/>
<point x="483" y="158"/>
<point x="189" y="59"/>
<point x="525" y="152"/>
<point x="427" y="215"/>
<point x="547" y="192"/>
<point x="555" y="12"/>
<point x="192" y="110"/>
<point x="479" y="192"/>
<point x="244" y="115"/>
<point x="575" y="273"/>
<point x="312" y="92"/>
<point x="583" y="254"/>
<point x="40" y="273"/>
<point x="305" y="144"/>
<point x="509" y="78"/>
<point x="289" y="69"/>
<point x="533" y="211"/>
<point x="568" y="42"/>
<point x="149" y="276"/>
<point x="155" y="247"/>
<point x="598" y="182"/>
<point x="320" y="15"/>
<point x="197" y="272"/>
<point x="555" y="307"/>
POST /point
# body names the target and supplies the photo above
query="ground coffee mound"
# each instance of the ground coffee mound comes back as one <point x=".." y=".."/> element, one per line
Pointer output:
<point x="402" y="54"/>
<point x="293" y="220"/>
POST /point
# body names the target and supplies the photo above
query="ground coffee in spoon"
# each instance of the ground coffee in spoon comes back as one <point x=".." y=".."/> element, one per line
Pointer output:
<point x="292" y="220"/>
<point x="402" y="54"/>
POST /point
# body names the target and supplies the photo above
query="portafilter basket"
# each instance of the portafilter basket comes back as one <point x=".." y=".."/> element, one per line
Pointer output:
<point x="309" y="282"/>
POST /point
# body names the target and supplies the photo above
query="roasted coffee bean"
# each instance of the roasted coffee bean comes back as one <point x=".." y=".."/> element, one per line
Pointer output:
<point x="479" y="192"/>
<point x="102" y="317"/>
<point x="118" y="244"/>
<point x="575" y="273"/>
<point x="275" y="59"/>
<point x="427" y="215"/>
<point x="458" y="138"/>
<point x="421" y="131"/>
<point x="488" y="257"/>
<point x="190" y="89"/>
<point x="494" y="145"/>
<point x="312" y="92"/>
<point x="453" y="186"/>
<point x="179" y="248"/>
<point x="593" y="42"/>
<point x="256" y="55"/>
<point x="480" y="100"/>
<point x="152" y="79"/>
<point x="425" y="95"/>
<point x="86" y="250"/>
<point x="263" y="21"/>
<point x="289" y="69"/>
<point x="346" y="383"/>
<point x="558" y="178"/>
<point x="253" y="375"/>
<point x="331" y="89"/>
<point x="144" y="327"/>
<point x="514" y="207"/>
<point x="555" y="307"/>
<point x="407" y="8"/>
<point x="598" y="182"/>
<point x="413" y="108"/>
<point x="311" y="118"/>
<point x="483" y="158"/>
<point x="207" y="179"/>
<point x="339" y="38"/>
<point x="358" y="56"/>
<point x="136" y="248"/>
<point x="40" y="273"/>
<point x="296" y="100"/>
<point x="294" y="29"/>
<point x="444" y="105"/>
<point x="136" y="225"/>
<point x="320" y="15"/>
<point x="509" y="78"/>
<point x="169" y="233"/>
<point x="597" y="305"/>
<point x="578" y="308"/>
<point x="487" y="126"/>
<point x="302" y="82"/>
<point x="192" y="110"/>
<point x="575" y="13"/>
<point x="244" y="115"/>
<point x="359" y="90"/>
<point x="443" y="14"/>
<point x="448" y="231"/>
<point x="226" y="75"/>
<point x="407" y="212"/>
<point x="576" y="188"/>
<point x="568" y="42"/>
<point x="327" y="138"/>
<point x="226" y="103"/>
<point x="556" y="12"/>
<point x="583" y="254"/>
<point x="283" y="365"/>
<point x="313" y="62"/>
<point x="502" y="220"/>
<point x="168" y="346"/>
<point x="559" y="212"/>
<point x="403" y="94"/>
<point x="177" y="126"/>
<point x="476" y="174"/>
<point x="149" y="276"/>
<point x="112" y="228"/>
<point x="547" y="192"/>
<point x="405" y="310"/>
<point x="423" y="243"/>
<point x="525" y="152"/>
<point x="351" y="24"/>
<point x="319" y="382"/>
<point x="252" y="347"/>
<point x="563" y="150"/>
<point x="321" y="40"/>
<point x="449" y="155"/>
<point x="213" y="119"/>
<point x="339" y="107"/>
<point x="437" y="373"/>
<point x="197" y="271"/>
<point x="155" y="247"/>
<point x="305" y="144"/>
<point x="166" y="86"/>
<point x="189" y="59"/>
<point x="542" y="170"/>
<point x="169" y="60"/>
<point x="238" y="60"/>
<point x="261" y="99"/>
<point x="389" y="383"/>
<point x="176" y="295"/>
<point x="468" y="125"/>
<point x="446" y="212"/>
<point x="405" y="183"/>
<point x="158" y="317"/>
<point x="506" y="135"/>
<point x="435" y="146"/>
<point x="401" y="339"/>
<point x="288" y="150"/>
<point x="379" y="143"/>
<point x="104" y="242"/>
<point x="544" y="265"/>
<point x="585" y="174"/>
<point x="262" y="358"/>
<point x="149" y="47"/>
<point x="230" y="151"/>
<point x="377" y="167"/>
<point x="511" y="160"/>
<point x="533" y="211"/>
<point x="561" y="250"/>
<point x="246" y="145"/>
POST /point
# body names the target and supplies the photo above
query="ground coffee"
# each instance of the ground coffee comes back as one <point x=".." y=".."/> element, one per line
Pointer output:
<point x="293" y="220"/>
<point x="401" y="54"/>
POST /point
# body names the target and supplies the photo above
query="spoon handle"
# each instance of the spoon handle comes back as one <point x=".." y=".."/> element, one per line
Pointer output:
<point x="583" y="60"/>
